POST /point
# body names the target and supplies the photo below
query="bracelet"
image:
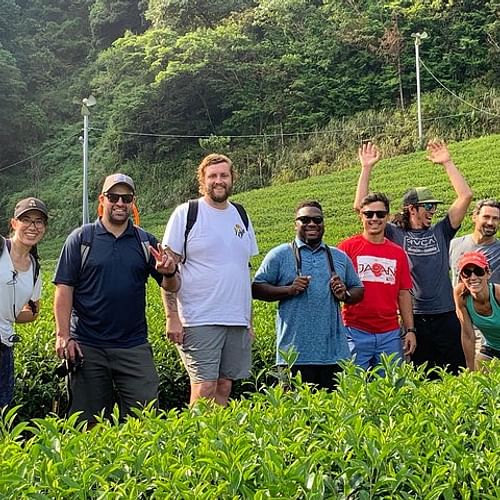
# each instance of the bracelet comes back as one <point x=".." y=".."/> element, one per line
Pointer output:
<point x="347" y="295"/>
<point x="411" y="329"/>
<point x="171" y="275"/>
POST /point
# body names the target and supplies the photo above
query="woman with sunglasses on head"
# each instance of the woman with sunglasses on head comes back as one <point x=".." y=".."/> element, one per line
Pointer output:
<point x="478" y="305"/>
<point x="20" y="283"/>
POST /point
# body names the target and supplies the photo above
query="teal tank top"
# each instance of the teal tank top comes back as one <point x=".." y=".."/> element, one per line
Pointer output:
<point x="489" y="325"/>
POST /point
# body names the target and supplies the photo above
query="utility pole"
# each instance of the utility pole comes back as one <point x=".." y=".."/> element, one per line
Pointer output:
<point x="86" y="104"/>
<point x="418" y="40"/>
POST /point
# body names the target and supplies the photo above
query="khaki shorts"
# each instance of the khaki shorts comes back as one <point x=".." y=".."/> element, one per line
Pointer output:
<point x="211" y="352"/>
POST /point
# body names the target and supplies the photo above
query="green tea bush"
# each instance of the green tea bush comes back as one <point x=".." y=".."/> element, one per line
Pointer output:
<point x="401" y="436"/>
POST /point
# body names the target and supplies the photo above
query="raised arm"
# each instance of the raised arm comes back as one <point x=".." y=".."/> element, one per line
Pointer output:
<point x="368" y="155"/>
<point x="438" y="153"/>
<point x="467" y="329"/>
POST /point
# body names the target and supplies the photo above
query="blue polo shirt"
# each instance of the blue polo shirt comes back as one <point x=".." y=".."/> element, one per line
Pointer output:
<point x="109" y="297"/>
<point x="310" y="322"/>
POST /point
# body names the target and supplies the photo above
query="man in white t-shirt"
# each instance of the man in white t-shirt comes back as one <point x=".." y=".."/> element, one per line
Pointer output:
<point x="209" y="318"/>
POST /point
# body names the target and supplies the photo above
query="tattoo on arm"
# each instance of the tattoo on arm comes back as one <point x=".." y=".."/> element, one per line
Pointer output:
<point x="171" y="301"/>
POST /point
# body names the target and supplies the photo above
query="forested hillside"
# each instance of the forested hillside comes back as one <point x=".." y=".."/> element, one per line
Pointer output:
<point x="288" y="88"/>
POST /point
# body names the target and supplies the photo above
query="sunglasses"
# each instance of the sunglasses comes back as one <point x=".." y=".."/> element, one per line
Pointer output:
<point x="369" y="214"/>
<point x="114" y="197"/>
<point x="428" y="206"/>
<point x="478" y="271"/>
<point x="305" y="219"/>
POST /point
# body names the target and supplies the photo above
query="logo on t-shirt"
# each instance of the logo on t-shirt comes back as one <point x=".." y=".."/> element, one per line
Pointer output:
<point x="239" y="231"/>
<point x="421" y="245"/>
<point x="377" y="269"/>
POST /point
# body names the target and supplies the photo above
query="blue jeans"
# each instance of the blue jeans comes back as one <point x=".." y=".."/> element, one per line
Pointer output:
<point x="6" y="375"/>
<point x="367" y="348"/>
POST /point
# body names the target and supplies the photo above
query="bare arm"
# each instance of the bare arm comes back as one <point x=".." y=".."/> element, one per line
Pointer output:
<point x="26" y="314"/>
<point x="438" y="153"/>
<point x="467" y="329"/>
<point x="63" y="304"/>
<point x="368" y="155"/>
<point x="406" y="310"/>
<point x="270" y="293"/>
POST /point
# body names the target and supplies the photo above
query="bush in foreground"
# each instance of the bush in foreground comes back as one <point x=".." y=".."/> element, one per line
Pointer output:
<point x="395" y="437"/>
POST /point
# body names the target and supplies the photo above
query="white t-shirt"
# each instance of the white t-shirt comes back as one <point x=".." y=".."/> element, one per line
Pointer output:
<point x="14" y="285"/>
<point x="215" y="286"/>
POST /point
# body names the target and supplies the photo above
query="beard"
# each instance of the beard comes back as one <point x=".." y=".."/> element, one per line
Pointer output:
<point x="219" y="198"/>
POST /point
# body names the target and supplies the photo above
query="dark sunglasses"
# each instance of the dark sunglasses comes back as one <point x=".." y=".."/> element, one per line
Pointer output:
<point x="114" y="197"/>
<point x="369" y="214"/>
<point x="478" y="271"/>
<point x="428" y="206"/>
<point x="305" y="219"/>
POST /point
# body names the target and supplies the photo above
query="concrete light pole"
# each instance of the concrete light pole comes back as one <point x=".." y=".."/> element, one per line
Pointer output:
<point x="86" y="104"/>
<point x="418" y="40"/>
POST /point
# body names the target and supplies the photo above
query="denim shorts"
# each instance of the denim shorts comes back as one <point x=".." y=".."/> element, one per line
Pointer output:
<point x="367" y="348"/>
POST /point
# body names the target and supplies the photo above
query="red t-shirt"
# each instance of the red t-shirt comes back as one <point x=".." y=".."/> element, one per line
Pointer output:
<point x="384" y="270"/>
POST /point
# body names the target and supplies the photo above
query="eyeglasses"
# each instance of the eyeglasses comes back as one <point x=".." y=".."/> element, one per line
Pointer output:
<point x="26" y="222"/>
<point x="114" y="197"/>
<point x="428" y="206"/>
<point x="306" y="219"/>
<point x="369" y="214"/>
<point x="478" y="271"/>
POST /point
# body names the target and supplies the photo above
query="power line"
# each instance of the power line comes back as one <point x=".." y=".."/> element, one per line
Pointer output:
<point x="42" y="151"/>
<point x="249" y="136"/>
<point x="455" y="95"/>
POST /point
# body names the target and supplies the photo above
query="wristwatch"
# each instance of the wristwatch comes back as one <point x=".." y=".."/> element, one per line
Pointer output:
<point x="411" y="329"/>
<point x="347" y="295"/>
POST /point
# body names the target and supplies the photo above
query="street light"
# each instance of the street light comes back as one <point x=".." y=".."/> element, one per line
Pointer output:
<point x="418" y="40"/>
<point x="87" y="103"/>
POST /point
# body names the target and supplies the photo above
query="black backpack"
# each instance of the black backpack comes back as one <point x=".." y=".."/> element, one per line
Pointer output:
<point x="193" y="214"/>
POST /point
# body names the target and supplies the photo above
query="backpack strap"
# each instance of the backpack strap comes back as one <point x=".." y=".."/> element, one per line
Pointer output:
<point x="242" y="212"/>
<point x="298" y="259"/>
<point x="143" y="239"/>
<point x="86" y="239"/>
<point x="35" y="263"/>
<point x="192" y="214"/>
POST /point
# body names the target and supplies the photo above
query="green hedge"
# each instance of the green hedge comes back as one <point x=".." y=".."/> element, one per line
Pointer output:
<point x="395" y="437"/>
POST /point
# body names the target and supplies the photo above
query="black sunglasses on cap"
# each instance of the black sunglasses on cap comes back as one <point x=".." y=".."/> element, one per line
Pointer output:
<point x="114" y="197"/>
<point x="369" y="214"/>
<point x="306" y="219"/>
<point x="466" y="272"/>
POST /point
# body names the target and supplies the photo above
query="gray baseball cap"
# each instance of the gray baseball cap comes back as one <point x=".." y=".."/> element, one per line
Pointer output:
<point x="114" y="179"/>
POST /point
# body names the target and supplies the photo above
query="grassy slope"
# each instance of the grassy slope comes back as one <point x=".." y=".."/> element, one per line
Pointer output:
<point x="271" y="209"/>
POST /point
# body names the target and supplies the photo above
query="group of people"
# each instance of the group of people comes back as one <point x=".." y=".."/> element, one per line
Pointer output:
<point x="386" y="290"/>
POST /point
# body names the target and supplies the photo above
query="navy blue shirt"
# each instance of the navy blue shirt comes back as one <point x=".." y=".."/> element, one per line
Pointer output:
<point x="109" y="296"/>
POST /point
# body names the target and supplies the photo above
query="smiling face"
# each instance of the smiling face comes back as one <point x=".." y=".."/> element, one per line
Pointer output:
<point x="218" y="182"/>
<point x="374" y="218"/>
<point x="421" y="215"/>
<point x="30" y="227"/>
<point x="486" y="222"/>
<point x="116" y="209"/>
<point x="309" y="225"/>
<point x="474" y="277"/>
